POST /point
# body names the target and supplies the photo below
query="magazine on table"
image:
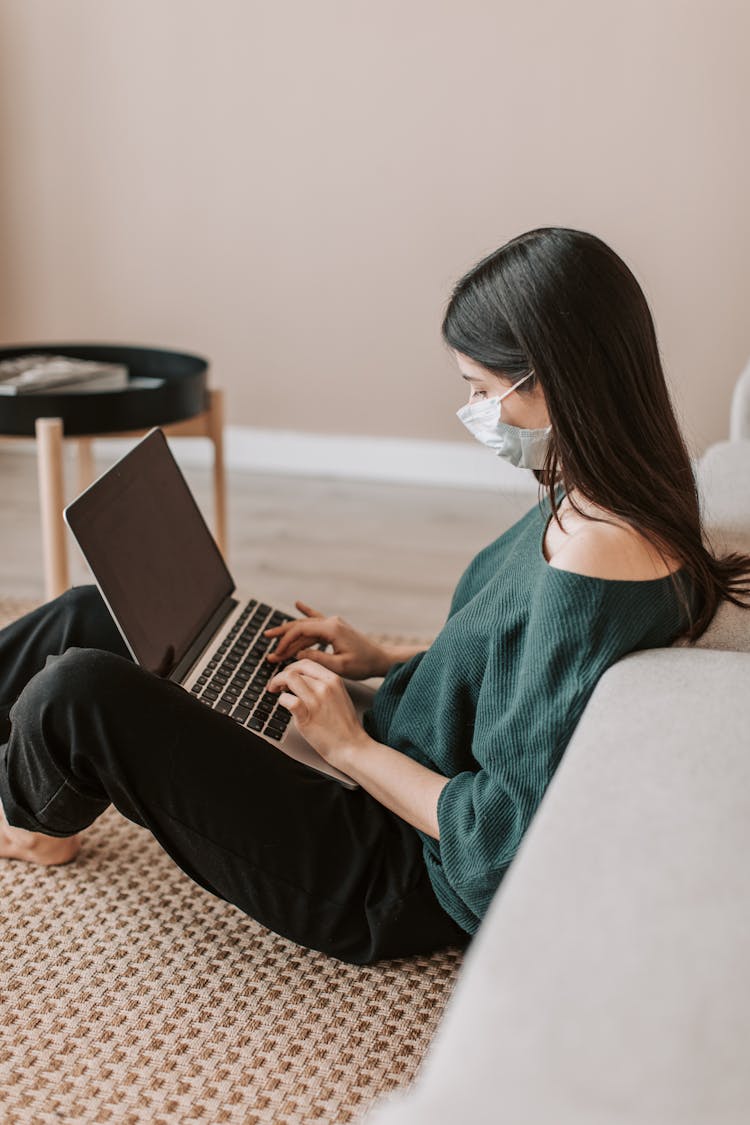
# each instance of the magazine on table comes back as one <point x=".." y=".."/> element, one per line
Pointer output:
<point x="34" y="373"/>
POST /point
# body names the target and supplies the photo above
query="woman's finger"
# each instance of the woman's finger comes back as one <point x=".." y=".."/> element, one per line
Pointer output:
<point x="289" y="628"/>
<point x="307" y="609"/>
<point x="305" y="631"/>
<point x="286" y="625"/>
<point x="276" y="629"/>
<point x="309" y="668"/>
<point x="292" y="678"/>
<point x="293" y="704"/>
<point x="328" y="659"/>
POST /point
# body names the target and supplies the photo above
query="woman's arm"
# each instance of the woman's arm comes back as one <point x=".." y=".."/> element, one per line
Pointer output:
<point x="325" y="715"/>
<point x="394" y="654"/>
<point x="404" y="786"/>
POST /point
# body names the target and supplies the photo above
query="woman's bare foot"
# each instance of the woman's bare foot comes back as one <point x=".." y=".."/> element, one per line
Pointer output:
<point x="34" y="847"/>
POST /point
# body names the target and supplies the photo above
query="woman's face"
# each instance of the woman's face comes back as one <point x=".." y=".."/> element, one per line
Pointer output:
<point x="527" y="410"/>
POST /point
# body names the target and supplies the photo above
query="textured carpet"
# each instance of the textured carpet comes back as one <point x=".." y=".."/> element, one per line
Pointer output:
<point x="129" y="994"/>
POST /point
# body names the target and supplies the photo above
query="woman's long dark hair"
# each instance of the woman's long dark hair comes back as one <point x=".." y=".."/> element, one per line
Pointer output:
<point x="562" y="302"/>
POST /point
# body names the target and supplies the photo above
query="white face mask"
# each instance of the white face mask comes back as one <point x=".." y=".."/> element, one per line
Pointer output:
<point x="524" y="448"/>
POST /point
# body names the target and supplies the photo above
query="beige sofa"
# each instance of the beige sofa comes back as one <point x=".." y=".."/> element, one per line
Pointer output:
<point x="609" y="983"/>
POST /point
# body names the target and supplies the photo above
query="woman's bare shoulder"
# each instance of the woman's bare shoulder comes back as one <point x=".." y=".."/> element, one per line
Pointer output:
<point x="610" y="550"/>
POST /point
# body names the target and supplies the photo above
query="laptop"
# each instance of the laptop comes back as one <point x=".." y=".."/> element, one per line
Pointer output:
<point x="174" y="601"/>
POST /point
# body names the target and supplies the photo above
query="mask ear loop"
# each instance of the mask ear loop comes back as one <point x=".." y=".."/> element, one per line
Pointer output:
<point x="518" y="384"/>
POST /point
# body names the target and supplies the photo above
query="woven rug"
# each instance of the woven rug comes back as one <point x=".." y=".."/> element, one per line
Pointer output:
<point x="129" y="994"/>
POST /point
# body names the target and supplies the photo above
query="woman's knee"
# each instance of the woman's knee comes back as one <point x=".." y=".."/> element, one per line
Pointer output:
<point x="77" y="675"/>
<point x="82" y="666"/>
<point x="87" y="622"/>
<point x="80" y="599"/>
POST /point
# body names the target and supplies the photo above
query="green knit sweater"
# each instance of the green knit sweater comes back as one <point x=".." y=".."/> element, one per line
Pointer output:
<point x="494" y="700"/>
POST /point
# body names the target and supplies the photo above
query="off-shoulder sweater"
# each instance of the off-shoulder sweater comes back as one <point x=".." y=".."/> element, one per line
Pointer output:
<point x="494" y="700"/>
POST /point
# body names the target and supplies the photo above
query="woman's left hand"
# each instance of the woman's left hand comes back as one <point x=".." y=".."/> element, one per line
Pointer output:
<point x="321" y="706"/>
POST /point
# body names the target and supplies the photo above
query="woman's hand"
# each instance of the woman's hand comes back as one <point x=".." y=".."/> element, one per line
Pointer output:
<point x="321" y="707"/>
<point x="354" y="655"/>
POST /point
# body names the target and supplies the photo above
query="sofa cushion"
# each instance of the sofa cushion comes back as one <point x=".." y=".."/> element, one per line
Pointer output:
<point x="723" y="479"/>
<point x="729" y="629"/>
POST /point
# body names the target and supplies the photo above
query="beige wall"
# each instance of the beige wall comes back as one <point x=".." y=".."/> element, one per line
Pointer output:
<point x="291" y="188"/>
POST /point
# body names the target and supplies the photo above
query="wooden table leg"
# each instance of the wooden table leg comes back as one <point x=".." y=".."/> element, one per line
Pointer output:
<point x="85" y="462"/>
<point x="216" y="434"/>
<point x="49" y="448"/>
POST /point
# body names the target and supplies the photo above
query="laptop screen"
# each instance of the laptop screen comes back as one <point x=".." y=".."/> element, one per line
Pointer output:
<point x="152" y="555"/>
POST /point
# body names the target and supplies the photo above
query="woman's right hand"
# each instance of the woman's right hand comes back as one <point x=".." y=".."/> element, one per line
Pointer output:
<point x="354" y="655"/>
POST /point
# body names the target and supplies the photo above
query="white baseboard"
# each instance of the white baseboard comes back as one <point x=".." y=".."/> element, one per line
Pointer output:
<point x="398" y="460"/>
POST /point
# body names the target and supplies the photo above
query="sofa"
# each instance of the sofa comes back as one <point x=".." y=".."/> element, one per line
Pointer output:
<point x="609" y="983"/>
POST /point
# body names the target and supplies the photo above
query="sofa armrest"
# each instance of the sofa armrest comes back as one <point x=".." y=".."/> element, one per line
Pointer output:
<point x="610" y="978"/>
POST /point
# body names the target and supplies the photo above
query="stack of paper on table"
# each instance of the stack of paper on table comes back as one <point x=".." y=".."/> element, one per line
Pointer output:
<point x="35" y="373"/>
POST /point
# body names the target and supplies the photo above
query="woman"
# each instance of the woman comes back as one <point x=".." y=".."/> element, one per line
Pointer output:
<point x="555" y="339"/>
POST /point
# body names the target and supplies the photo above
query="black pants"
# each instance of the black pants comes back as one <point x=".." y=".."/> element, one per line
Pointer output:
<point x="82" y="725"/>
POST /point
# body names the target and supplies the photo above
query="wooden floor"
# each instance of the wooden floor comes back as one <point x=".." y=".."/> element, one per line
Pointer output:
<point x="384" y="556"/>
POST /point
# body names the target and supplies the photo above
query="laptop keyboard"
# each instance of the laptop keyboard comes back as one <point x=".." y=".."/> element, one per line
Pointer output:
<point x="234" y="680"/>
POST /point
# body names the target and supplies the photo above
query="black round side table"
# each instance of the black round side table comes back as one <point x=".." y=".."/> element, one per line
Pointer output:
<point x="165" y="388"/>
